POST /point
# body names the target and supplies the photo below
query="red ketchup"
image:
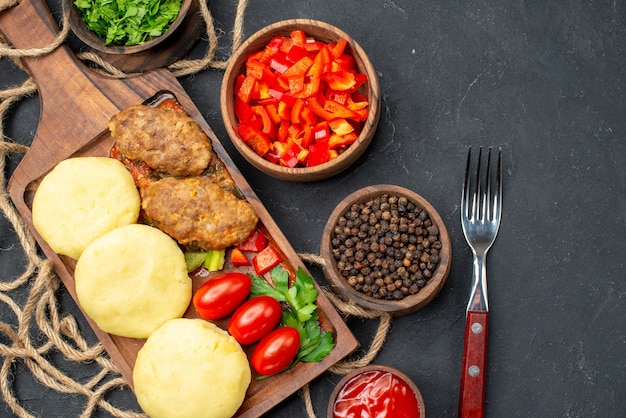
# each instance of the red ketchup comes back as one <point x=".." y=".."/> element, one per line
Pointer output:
<point x="376" y="394"/>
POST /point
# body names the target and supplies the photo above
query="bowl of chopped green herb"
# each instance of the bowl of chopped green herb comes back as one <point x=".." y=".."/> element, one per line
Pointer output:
<point x="125" y="26"/>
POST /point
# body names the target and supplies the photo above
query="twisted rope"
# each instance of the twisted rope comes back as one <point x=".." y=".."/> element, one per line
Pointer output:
<point x="60" y="333"/>
<point x="349" y="308"/>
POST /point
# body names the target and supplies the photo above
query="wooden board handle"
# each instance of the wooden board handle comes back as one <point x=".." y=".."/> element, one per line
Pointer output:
<point x="474" y="365"/>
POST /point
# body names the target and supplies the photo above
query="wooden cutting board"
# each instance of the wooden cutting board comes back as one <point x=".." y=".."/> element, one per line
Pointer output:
<point x="76" y="105"/>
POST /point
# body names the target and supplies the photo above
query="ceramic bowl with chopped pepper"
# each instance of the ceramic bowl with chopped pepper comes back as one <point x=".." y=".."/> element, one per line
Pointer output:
<point x="300" y="100"/>
<point x="387" y="249"/>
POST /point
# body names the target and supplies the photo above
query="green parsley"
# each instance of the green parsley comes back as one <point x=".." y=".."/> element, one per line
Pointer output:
<point x="128" y="22"/>
<point x="302" y="314"/>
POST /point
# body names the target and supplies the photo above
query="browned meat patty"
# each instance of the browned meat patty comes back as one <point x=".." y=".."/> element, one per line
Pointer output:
<point x="167" y="140"/>
<point x="197" y="212"/>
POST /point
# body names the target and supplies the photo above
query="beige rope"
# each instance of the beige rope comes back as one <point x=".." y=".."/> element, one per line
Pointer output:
<point x="39" y="314"/>
<point x="308" y="403"/>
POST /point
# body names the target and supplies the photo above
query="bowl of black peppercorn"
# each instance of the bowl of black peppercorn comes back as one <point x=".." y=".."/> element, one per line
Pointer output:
<point x="387" y="249"/>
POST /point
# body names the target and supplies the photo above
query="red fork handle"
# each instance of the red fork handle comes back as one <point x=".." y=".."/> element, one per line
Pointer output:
<point x="474" y="365"/>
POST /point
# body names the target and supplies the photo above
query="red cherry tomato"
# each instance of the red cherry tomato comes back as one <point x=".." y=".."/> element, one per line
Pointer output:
<point x="276" y="351"/>
<point x="255" y="319"/>
<point x="221" y="295"/>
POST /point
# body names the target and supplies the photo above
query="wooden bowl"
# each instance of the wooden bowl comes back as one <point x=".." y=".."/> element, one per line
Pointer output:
<point x="375" y="368"/>
<point x="322" y="32"/>
<point x="410" y="303"/>
<point x="158" y="52"/>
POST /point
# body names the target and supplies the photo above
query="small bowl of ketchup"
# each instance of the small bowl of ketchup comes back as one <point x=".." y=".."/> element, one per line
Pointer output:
<point x="374" y="391"/>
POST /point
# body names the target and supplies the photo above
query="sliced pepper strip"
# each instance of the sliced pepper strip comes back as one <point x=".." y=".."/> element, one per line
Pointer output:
<point x="266" y="260"/>
<point x="300" y="67"/>
<point x="246" y="89"/>
<point x="340" y="80"/>
<point x="238" y="258"/>
<point x="339" y="110"/>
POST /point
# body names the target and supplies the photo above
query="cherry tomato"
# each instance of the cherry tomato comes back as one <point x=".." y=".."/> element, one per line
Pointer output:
<point x="254" y="319"/>
<point x="221" y="295"/>
<point x="276" y="351"/>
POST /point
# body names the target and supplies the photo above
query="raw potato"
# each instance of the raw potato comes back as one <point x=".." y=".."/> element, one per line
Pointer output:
<point x="191" y="368"/>
<point x="80" y="200"/>
<point x="132" y="280"/>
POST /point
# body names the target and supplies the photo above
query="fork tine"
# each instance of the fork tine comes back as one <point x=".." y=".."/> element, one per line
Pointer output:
<point x="486" y="195"/>
<point x="466" y="186"/>
<point x="497" y="206"/>
<point x="476" y="203"/>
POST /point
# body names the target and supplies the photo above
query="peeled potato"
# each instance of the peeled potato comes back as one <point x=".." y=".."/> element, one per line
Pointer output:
<point x="191" y="368"/>
<point x="80" y="200"/>
<point x="132" y="280"/>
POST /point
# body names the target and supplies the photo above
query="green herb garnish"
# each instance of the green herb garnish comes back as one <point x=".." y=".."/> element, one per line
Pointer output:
<point x="128" y="22"/>
<point x="302" y="314"/>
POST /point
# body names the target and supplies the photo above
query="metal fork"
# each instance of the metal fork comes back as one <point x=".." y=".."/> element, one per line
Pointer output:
<point x="481" y="210"/>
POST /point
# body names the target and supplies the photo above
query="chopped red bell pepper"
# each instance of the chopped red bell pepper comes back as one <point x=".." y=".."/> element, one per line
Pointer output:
<point x="296" y="111"/>
<point x="337" y="141"/>
<point x="303" y="156"/>
<point x="307" y="138"/>
<point x="266" y="260"/>
<point x="246" y="89"/>
<point x="298" y="38"/>
<point x="296" y="83"/>
<point x="290" y="93"/>
<point x="318" y="154"/>
<point x="339" y="111"/>
<point x="308" y="117"/>
<point x="294" y="130"/>
<point x="300" y="67"/>
<point x="284" y="110"/>
<point x="321" y="132"/>
<point x="356" y="101"/>
<point x="253" y="122"/>
<point x="339" y="48"/>
<point x="243" y="110"/>
<point x="311" y="45"/>
<point x="256" y="139"/>
<point x="290" y="152"/>
<point x="344" y="62"/>
<point x="272" y="111"/>
<point x="272" y="156"/>
<point x="338" y="96"/>
<point x="279" y="63"/>
<point x="319" y="109"/>
<point x="238" y="258"/>
<point x="255" y="68"/>
<point x="340" y="126"/>
<point x="271" y="79"/>
<point x="340" y="80"/>
<point x="283" y="131"/>
<point x="255" y="242"/>
<point x="269" y="128"/>
<point x="296" y="53"/>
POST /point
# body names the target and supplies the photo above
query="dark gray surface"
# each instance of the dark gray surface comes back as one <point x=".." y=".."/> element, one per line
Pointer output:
<point x="543" y="80"/>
